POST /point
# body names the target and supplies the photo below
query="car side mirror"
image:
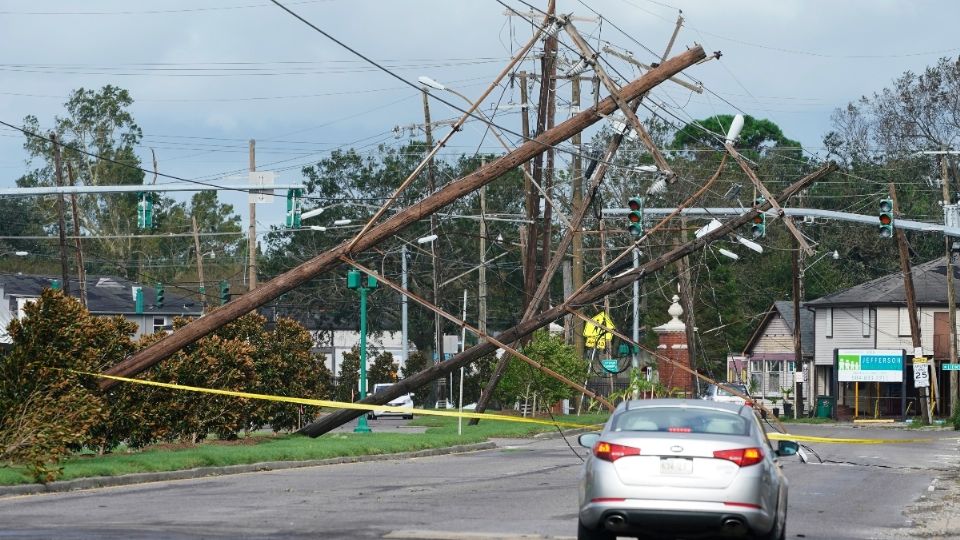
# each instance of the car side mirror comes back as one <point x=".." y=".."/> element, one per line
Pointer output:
<point x="787" y="448"/>
<point x="587" y="440"/>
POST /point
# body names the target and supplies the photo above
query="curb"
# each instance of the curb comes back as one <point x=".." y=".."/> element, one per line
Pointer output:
<point x="201" y="472"/>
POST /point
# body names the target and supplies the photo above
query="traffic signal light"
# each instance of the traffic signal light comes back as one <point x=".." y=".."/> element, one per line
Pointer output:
<point x="159" y="293"/>
<point x="224" y="292"/>
<point x="759" y="227"/>
<point x="886" y="218"/>
<point x="635" y="216"/>
<point x="144" y="211"/>
<point x="293" y="207"/>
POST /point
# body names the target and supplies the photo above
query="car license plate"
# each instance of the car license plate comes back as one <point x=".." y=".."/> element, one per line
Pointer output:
<point x="676" y="466"/>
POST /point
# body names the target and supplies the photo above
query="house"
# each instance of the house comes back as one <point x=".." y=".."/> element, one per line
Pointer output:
<point x="334" y="336"/>
<point x="768" y="362"/>
<point x="874" y="316"/>
<point x="106" y="296"/>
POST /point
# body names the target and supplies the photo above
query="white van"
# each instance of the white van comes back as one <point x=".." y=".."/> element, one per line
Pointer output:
<point x="405" y="400"/>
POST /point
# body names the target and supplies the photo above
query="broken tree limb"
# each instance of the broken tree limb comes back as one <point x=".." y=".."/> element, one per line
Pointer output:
<point x="476" y="331"/>
<point x="395" y="224"/>
<point x="525" y="328"/>
<point x="787" y="220"/>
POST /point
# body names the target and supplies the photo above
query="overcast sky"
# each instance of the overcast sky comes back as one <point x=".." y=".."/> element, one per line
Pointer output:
<point x="207" y="75"/>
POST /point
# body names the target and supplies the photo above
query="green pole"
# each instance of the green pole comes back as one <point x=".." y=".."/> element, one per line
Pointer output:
<point x="362" y="426"/>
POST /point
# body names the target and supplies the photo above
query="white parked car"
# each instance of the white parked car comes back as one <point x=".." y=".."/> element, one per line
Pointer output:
<point x="724" y="393"/>
<point x="405" y="400"/>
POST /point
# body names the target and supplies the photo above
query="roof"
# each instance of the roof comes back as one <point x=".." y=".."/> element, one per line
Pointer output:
<point x="929" y="283"/>
<point x="784" y="308"/>
<point x="106" y="295"/>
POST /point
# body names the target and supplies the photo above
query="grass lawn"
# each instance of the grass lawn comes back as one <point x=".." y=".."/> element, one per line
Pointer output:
<point x="441" y="432"/>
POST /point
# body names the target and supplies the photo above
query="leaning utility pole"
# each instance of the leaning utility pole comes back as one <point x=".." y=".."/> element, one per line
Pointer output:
<point x="797" y="337"/>
<point x="252" y="238"/>
<point x="541" y="319"/>
<point x="396" y="223"/>
<point x="61" y="224"/>
<point x="548" y="82"/>
<point x="911" y="300"/>
<point x="951" y="289"/>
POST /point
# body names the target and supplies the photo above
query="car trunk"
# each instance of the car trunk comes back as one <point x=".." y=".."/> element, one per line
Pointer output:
<point x="685" y="462"/>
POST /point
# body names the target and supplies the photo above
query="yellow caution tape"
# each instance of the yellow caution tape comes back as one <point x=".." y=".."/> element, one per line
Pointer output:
<point x="341" y="404"/>
<point x="809" y="438"/>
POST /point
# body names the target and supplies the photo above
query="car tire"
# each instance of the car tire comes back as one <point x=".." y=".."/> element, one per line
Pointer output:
<point x="586" y="533"/>
<point x="408" y="417"/>
<point x="778" y="532"/>
<point x="371" y="417"/>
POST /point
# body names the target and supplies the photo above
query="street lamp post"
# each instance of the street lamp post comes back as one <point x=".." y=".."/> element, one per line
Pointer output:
<point x="362" y="283"/>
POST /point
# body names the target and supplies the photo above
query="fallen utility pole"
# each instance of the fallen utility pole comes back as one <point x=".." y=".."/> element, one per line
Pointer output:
<point x="396" y="223"/>
<point x="525" y="328"/>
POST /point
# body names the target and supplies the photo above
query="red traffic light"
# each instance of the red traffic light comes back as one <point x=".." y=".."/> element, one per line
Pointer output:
<point x="885" y="219"/>
<point x="758" y="218"/>
<point x="635" y="203"/>
<point x="634" y="217"/>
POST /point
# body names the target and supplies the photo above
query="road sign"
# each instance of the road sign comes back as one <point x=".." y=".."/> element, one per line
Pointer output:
<point x="610" y="364"/>
<point x="950" y="367"/>
<point x="597" y="338"/>
<point x="261" y="179"/>
<point x="921" y="375"/>
<point x="596" y="342"/>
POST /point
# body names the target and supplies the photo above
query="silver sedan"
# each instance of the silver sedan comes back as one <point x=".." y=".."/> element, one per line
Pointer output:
<point x="675" y="468"/>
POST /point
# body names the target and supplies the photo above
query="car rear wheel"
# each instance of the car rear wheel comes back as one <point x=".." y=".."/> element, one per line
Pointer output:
<point x="408" y="417"/>
<point x="585" y="533"/>
<point x="778" y="532"/>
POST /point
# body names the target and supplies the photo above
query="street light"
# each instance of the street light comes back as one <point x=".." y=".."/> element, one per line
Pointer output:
<point x="362" y="283"/>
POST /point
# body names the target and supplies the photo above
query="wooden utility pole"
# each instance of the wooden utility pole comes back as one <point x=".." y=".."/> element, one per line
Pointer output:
<point x="78" y="244"/>
<point x="61" y="224"/>
<point x="432" y="186"/>
<point x="577" y="202"/>
<point x="951" y="289"/>
<point x="529" y="240"/>
<point x="396" y="223"/>
<point x="686" y="300"/>
<point x="528" y="326"/>
<point x="797" y="337"/>
<point x="252" y="236"/>
<point x="548" y="82"/>
<point x="911" y="300"/>
<point x="482" y="271"/>
<point x="196" y="247"/>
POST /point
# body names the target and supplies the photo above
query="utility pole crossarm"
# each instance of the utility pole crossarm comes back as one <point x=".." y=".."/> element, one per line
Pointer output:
<point x="787" y="220"/>
<point x="626" y="109"/>
<point x="452" y="191"/>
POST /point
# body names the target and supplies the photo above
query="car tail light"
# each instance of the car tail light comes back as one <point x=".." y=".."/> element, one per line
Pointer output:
<point x="679" y="430"/>
<point x="743" y="457"/>
<point x="612" y="452"/>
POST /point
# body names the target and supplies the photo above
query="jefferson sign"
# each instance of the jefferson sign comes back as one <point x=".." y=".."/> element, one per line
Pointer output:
<point x="869" y="365"/>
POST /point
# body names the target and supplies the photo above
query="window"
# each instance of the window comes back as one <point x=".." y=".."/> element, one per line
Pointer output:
<point x="682" y="420"/>
<point x="865" y="321"/>
<point x="158" y="324"/>
<point x="903" y="322"/>
<point x="829" y="323"/>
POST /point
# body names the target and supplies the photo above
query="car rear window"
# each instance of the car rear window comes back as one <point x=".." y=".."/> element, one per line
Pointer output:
<point x="682" y="420"/>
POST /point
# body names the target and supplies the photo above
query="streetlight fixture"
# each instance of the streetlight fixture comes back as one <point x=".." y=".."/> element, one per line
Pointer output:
<point x="427" y="239"/>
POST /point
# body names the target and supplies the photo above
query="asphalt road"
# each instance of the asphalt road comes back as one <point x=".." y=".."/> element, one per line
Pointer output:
<point x="524" y="487"/>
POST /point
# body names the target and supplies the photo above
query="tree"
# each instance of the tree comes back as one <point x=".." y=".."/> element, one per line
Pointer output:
<point x="348" y="384"/>
<point x="416" y="362"/>
<point x="522" y="382"/>
<point x="382" y="370"/>
<point x="48" y="407"/>
<point x="757" y="135"/>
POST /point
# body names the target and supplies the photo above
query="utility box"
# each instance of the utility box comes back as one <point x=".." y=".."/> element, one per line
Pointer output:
<point x="825" y="405"/>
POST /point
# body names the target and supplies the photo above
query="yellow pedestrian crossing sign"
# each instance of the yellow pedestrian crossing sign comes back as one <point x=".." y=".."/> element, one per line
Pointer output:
<point x="598" y="332"/>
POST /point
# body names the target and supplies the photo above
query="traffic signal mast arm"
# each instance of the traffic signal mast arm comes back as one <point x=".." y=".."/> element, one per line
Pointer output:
<point x="787" y="220"/>
<point x="528" y="326"/>
<point x="452" y="191"/>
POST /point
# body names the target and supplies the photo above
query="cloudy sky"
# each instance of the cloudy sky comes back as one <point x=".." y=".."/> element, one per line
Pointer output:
<point x="207" y="75"/>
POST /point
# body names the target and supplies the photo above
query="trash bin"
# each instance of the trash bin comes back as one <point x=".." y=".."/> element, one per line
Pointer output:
<point x="825" y="406"/>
